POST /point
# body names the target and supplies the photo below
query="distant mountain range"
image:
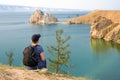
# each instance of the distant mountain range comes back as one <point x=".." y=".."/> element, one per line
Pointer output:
<point x="12" y="8"/>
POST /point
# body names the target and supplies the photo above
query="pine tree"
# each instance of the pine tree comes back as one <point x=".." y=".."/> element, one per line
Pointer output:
<point x="60" y="55"/>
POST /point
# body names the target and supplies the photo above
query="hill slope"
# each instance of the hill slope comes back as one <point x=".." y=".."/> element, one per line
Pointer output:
<point x="13" y="73"/>
<point x="114" y="15"/>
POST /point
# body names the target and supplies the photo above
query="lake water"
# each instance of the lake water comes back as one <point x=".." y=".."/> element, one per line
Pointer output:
<point x="92" y="58"/>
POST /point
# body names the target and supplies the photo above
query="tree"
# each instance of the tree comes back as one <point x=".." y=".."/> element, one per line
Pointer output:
<point x="60" y="55"/>
<point x="10" y="57"/>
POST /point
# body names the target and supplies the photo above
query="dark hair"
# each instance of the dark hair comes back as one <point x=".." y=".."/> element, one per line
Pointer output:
<point x="35" y="37"/>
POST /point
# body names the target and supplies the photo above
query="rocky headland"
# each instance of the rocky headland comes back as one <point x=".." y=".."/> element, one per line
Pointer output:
<point x="39" y="17"/>
<point x="105" y="24"/>
<point x="104" y="28"/>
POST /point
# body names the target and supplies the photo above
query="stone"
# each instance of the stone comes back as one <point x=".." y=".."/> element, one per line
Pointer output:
<point x="103" y="28"/>
<point x="39" y="17"/>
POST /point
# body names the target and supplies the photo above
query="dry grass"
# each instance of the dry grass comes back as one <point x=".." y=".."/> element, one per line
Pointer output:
<point x="14" y="73"/>
<point x="114" y="15"/>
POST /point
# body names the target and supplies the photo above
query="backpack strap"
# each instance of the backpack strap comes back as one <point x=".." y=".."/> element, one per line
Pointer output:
<point x="33" y="46"/>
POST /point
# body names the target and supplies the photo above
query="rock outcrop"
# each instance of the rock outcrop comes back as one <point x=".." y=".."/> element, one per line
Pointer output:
<point x="39" y="17"/>
<point x="105" y="24"/>
<point x="114" y="15"/>
<point x="103" y="28"/>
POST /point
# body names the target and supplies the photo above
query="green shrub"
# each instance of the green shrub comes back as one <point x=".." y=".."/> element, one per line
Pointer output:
<point x="10" y="58"/>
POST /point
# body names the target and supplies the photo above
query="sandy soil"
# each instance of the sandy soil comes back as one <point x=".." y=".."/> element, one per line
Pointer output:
<point x="13" y="73"/>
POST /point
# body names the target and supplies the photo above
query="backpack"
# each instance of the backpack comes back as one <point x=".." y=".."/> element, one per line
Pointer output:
<point x="29" y="56"/>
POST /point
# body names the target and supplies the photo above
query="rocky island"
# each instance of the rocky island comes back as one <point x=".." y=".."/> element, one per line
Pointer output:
<point x="39" y="17"/>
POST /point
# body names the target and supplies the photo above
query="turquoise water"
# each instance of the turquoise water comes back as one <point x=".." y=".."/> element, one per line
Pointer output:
<point x="92" y="58"/>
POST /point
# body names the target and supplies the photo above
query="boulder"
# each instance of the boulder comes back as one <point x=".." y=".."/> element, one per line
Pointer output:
<point x="100" y="27"/>
<point x="39" y="17"/>
<point x="103" y="28"/>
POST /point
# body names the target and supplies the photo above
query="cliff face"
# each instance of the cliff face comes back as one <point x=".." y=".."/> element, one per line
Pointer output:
<point x="39" y="17"/>
<point x="114" y="15"/>
<point x="103" y="28"/>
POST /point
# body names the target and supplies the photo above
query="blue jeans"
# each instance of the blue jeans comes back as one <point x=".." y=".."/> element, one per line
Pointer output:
<point x="41" y="64"/>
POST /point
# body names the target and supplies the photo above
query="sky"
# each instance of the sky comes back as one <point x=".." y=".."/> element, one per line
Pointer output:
<point x="68" y="4"/>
